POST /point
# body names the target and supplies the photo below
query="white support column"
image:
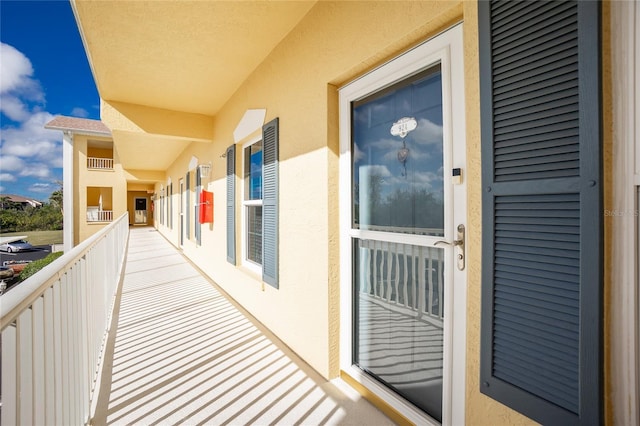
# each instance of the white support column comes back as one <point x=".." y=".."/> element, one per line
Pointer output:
<point x="67" y="182"/>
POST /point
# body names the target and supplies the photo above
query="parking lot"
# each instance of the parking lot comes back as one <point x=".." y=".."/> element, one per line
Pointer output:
<point x="37" y="253"/>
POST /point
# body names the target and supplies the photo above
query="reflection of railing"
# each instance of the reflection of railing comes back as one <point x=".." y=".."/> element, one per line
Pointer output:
<point x="99" y="163"/>
<point x="404" y="276"/>
<point x="94" y="214"/>
<point x="54" y="327"/>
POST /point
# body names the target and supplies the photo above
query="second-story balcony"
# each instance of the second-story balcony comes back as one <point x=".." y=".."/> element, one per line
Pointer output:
<point x="124" y="330"/>
<point x="97" y="163"/>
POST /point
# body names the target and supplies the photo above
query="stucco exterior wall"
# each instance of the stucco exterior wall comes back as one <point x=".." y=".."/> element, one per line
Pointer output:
<point x="299" y="82"/>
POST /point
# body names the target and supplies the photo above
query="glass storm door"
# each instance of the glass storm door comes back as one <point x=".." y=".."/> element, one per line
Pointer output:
<point x="406" y="232"/>
<point x="140" y="213"/>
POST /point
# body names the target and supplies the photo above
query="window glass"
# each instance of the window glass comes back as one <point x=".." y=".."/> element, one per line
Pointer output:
<point x="253" y="171"/>
<point x="253" y="202"/>
<point x="254" y="234"/>
<point x="398" y="176"/>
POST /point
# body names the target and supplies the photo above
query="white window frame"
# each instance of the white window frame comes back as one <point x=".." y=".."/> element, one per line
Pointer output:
<point x="246" y="263"/>
<point x="433" y="51"/>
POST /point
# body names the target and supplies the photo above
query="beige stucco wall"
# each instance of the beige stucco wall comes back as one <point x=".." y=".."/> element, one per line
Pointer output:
<point x="84" y="178"/>
<point x="299" y="82"/>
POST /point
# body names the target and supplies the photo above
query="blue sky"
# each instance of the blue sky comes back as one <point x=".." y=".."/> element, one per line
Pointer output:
<point x="44" y="72"/>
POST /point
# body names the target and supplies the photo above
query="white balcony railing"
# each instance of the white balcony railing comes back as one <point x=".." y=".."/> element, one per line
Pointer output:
<point x="54" y="329"/>
<point x="94" y="214"/>
<point x="403" y="277"/>
<point x="100" y="163"/>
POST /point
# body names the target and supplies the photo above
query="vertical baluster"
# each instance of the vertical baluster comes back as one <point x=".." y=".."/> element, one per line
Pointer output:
<point x="49" y="350"/>
<point x="65" y="350"/>
<point x="73" y="359"/>
<point x="414" y="303"/>
<point x="365" y="267"/>
<point x="86" y="374"/>
<point x="421" y="283"/>
<point x="396" y="276"/>
<point x="389" y="264"/>
<point x="441" y="284"/>
<point x="10" y="377"/>
<point x="430" y="253"/>
<point x="38" y="382"/>
<point x="405" y="275"/>
<point x="58" y="355"/>
<point x="25" y="367"/>
<point x="374" y="274"/>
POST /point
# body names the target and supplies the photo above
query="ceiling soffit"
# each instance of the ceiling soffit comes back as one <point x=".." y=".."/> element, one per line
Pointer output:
<point x="185" y="56"/>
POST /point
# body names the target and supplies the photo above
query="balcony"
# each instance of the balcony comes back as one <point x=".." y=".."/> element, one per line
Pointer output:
<point x="95" y="214"/>
<point x="162" y="344"/>
<point x="96" y="163"/>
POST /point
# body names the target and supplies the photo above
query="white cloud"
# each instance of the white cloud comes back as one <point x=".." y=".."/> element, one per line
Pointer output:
<point x="79" y="112"/>
<point x="29" y="152"/>
<point x="13" y="108"/>
<point x="31" y="141"/>
<point x="16" y="69"/>
<point x="17" y="86"/>
<point x="36" y="170"/>
<point x="374" y="170"/>
<point x="11" y="163"/>
<point x="427" y="132"/>
<point x="45" y="188"/>
<point x="7" y="177"/>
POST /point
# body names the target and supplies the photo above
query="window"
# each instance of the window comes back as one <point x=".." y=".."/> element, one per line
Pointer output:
<point x="259" y="204"/>
<point x="252" y="202"/>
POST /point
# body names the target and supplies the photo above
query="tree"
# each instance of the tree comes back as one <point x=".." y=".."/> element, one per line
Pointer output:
<point x="56" y="198"/>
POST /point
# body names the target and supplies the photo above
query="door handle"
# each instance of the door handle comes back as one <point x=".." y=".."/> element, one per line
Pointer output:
<point x="459" y="243"/>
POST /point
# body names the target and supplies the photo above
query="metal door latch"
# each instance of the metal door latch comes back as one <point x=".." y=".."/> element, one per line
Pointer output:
<point x="459" y="243"/>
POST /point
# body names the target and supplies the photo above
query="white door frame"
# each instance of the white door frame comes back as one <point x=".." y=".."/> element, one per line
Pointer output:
<point x="624" y="306"/>
<point x="446" y="49"/>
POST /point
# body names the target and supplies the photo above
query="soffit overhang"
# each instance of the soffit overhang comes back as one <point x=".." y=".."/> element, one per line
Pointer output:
<point x="187" y="56"/>
<point x="163" y="69"/>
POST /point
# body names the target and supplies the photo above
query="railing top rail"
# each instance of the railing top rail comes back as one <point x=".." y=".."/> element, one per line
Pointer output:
<point x="20" y="298"/>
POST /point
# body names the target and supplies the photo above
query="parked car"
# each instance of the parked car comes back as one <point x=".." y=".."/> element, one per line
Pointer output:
<point x="16" y="246"/>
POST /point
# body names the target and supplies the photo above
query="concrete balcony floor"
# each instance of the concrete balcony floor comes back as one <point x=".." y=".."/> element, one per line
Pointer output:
<point x="185" y="354"/>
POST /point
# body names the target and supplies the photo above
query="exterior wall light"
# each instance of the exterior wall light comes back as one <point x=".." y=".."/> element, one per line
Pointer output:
<point x="205" y="170"/>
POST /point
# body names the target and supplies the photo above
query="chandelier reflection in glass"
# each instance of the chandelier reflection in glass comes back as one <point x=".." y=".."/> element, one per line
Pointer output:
<point x="401" y="128"/>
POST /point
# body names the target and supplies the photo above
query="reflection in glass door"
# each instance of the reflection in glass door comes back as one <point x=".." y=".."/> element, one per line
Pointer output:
<point x="398" y="190"/>
<point x="140" y="211"/>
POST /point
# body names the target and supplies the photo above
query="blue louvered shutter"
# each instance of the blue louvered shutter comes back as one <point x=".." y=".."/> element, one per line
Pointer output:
<point x="187" y="179"/>
<point x="541" y="337"/>
<point x="231" y="204"/>
<point x="196" y="220"/>
<point x="270" y="203"/>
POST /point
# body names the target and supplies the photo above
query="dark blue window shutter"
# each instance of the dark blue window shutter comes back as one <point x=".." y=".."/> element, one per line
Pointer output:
<point x="187" y="179"/>
<point x="231" y="204"/>
<point x="270" y="203"/>
<point x="196" y="219"/>
<point x="541" y="330"/>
